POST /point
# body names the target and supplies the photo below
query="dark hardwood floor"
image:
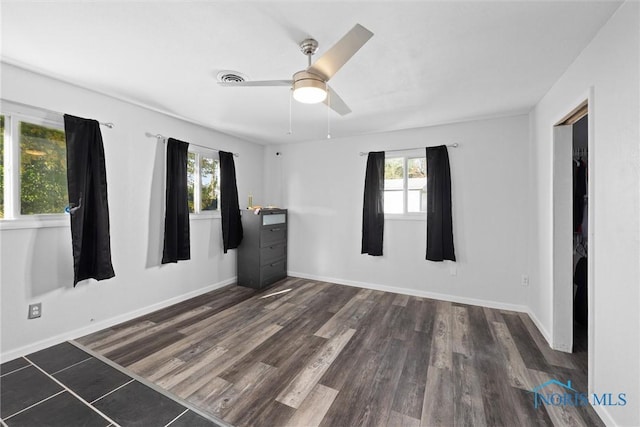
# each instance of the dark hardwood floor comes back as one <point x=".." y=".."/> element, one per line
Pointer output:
<point x="329" y="355"/>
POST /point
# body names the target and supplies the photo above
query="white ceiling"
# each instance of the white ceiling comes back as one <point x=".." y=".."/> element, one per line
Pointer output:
<point x="428" y="62"/>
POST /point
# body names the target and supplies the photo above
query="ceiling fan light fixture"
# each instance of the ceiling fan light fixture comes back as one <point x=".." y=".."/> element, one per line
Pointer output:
<point x="308" y="89"/>
<point x="309" y="94"/>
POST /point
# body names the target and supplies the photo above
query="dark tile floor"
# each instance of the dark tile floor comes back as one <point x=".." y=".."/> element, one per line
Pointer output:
<point x="66" y="386"/>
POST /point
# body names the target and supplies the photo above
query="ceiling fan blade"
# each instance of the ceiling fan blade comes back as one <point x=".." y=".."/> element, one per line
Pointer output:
<point x="336" y="103"/>
<point x="338" y="55"/>
<point x="258" y="83"/>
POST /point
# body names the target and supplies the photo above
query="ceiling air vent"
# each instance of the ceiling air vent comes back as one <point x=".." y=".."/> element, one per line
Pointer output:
<point x="231" y="77"/>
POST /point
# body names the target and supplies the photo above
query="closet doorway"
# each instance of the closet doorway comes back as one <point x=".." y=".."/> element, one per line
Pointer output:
<point x="572" y="242"/>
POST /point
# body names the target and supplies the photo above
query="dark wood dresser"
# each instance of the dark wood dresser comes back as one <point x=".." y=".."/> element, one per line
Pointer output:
<point x="262" y="255"/>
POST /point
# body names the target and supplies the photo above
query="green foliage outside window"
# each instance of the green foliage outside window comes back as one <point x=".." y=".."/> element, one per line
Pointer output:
<point x="203" y="172"/>
<point x="393" y="169"/>
<point x="417" y="167"/>
<point x="209" y="184"/>
<point x="191" y="177"/>
<point x="405" y="185"/>
<point x="43" y="170"/>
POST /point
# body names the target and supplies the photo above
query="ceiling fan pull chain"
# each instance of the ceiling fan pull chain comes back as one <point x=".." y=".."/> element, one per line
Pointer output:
<point x="290" y="108"/>
<point x="328" y="115"/>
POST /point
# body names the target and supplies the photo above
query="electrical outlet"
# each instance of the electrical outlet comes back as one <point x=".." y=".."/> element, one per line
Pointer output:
<point x="35" y="310"/>
<point x="525" y="280"/>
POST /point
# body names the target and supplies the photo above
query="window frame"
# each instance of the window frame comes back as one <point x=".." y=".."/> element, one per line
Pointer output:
<point x="198" y="213"/>
<point x="13" y="218"/>
<point x="406" y="155"/>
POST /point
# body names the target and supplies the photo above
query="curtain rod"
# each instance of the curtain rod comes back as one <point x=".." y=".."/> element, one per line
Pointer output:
<point x="20" y="104"/>
<point x="454" y="145"/>
<point x="159" y="136"/>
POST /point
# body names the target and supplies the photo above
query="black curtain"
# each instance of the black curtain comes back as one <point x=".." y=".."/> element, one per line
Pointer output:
<point x="229" y="206"/>
<point x="373" y="206"/>
<point x="89" y="209"/>
<point x="439" y="223"/>
<point x="176" y="219"/>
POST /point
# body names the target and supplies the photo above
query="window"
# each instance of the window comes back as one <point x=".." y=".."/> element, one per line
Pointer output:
<point x="43" y="170"/>
<point x="33" y="166"/>
<point x="203" y="180"/>
<point x="405" y="185"/>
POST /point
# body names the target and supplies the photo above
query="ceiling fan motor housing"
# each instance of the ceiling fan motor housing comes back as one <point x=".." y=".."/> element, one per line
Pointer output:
<point x="309" y="46"/>
<point x="308" y="87"/>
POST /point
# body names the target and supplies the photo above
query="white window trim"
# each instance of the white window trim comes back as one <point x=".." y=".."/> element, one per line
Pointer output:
<point x="197" y="185"/>
<point x="409" y="216"/>
<point x="406" y="216"/>
<point x="208" y="215"/>
<point x="38" y="221"/>
<point x="13" y="219"/>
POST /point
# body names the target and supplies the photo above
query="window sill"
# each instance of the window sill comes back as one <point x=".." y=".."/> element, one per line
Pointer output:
<point x="203" y="216"/>
<point x="422" y="216"/>
<point x="40" y="221"/>
<point x="62" y="221"/>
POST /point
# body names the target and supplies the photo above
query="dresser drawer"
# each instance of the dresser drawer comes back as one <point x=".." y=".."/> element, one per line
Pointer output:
<point x="273" y="272"/>
<point x="271" y="235"/>
<point x="271" y="254"/>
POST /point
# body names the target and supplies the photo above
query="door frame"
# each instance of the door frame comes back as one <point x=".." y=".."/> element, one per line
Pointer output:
<point x="562" y="241"/>
<point x="559" y="328"/>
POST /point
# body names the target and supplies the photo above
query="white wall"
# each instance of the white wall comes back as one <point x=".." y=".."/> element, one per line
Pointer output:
<point x="36" y="263"/>
<point x="610" y="66"/>
<point x="502" y="182"/>
<point x="322" y="184"/>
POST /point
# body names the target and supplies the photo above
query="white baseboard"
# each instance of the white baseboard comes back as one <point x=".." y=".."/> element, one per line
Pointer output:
<point x="415" y="292"/>
<point x="604" y="415"/>
<point x="107" y="323"/>
<point x="545" y="334"/>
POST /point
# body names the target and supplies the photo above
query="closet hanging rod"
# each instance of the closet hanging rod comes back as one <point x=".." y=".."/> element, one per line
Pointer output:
<point x="454" y="145"/>
<point x="164" y="138"/>
<point x="33" y="107"/>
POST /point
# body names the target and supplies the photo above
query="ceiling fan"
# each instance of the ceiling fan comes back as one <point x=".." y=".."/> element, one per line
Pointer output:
<point x="310" y="85"/>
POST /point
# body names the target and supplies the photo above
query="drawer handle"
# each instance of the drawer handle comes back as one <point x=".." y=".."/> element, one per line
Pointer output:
<point x="275" y="229"/>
